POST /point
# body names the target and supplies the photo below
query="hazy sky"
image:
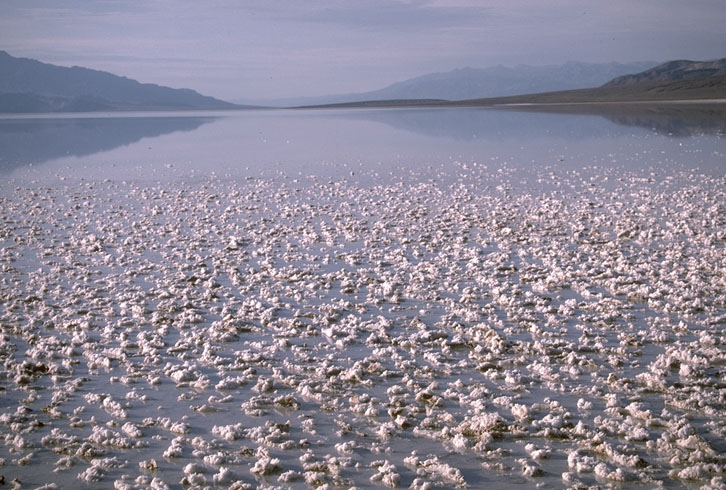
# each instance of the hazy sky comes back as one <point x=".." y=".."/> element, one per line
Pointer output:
<point x="236" y="49"/>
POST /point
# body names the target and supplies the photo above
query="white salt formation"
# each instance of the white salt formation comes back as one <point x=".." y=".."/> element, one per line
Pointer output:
<point x="279" y="334"/>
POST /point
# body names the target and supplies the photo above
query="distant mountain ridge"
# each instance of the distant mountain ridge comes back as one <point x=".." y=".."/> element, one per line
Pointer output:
<point x="497" y="81"/>
<point x="679" y="80"/>
<point x="470" y="83"/>
<point x="673" y="71"/>
<point x="700" y="82"/>
<point x="28" y="85"/>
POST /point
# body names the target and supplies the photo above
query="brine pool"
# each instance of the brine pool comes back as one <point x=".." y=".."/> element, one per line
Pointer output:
<point x="484" y="321"/>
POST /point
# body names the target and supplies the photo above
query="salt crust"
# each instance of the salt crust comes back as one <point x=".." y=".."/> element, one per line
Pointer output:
<point x="573" y="337"/>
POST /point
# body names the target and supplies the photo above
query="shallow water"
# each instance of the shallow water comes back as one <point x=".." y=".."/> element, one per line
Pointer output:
<point x="362" y="146"/>
<point x="302" y="299"/>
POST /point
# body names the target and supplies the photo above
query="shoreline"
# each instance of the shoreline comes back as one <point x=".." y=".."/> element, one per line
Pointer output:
<point x="628" y="102"/>
<point x="406" y="104"/>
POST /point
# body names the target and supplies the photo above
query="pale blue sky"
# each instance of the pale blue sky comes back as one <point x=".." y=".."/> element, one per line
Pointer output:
<point x="277" y="48"/>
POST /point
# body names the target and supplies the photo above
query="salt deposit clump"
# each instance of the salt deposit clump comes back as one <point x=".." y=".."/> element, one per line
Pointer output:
<point x="239" y="334"/>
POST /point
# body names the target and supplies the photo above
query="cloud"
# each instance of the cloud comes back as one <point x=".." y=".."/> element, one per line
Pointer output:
<point x="290" y="47"/>
<point x="380" y="15"/>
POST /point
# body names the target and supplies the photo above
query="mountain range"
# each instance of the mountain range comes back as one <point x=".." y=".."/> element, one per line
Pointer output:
<point x="473" y="83"/>
<point x="680" y="80"/>
<point x="673" y="71"/>
<point x="28" y="85"/>
<point x="699" y="82"/>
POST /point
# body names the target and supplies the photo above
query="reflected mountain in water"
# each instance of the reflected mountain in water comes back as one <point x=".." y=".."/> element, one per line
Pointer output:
<point x="464" y="124"/>
<point x="468" y="124"/>
<point x="34" y="141"/>
<point x="675" y="119"/>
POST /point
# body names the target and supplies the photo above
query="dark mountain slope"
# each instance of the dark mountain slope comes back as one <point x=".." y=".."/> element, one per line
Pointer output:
<point x="31" y="86"/>
<point x="713" y="87"/>
<point x="673" y="71"/>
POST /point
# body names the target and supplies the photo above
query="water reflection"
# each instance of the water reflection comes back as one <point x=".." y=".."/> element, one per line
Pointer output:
<point x="335" y="143"/>
<point x="676" y="121"/>
<point x="468" y="124"/>
<point x="33" y="141"/>
<point x="672" y="120"/>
